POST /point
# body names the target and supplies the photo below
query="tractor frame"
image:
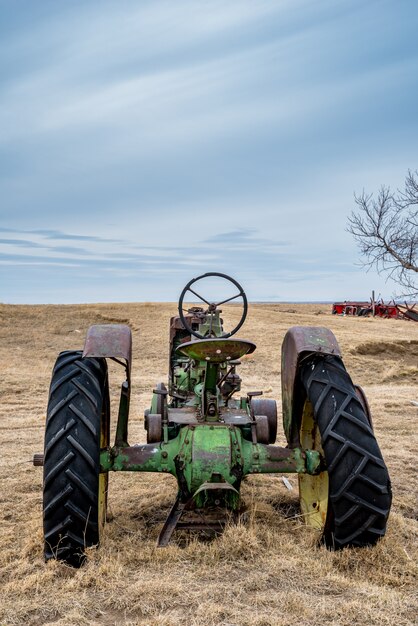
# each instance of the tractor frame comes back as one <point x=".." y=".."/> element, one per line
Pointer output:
<point x="210" y="440"/>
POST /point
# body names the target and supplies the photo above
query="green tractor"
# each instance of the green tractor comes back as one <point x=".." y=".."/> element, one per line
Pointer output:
<point x="200" y="431"/>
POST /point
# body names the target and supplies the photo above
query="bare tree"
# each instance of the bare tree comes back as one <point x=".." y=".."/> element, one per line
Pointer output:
<point x="386" y="230"/>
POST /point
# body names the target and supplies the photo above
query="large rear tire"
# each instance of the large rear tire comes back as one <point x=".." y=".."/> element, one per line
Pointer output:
<point x="77" y="426"/>
<point x="350" y="501"/>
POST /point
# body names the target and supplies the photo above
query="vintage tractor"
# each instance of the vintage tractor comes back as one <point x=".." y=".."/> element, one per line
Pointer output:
<point x="209" y="440"/>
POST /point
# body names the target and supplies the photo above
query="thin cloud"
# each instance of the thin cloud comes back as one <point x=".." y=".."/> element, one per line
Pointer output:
<point x="56" y="234"/>
<point x="24" y="243"/>
<point x="243" y="236"/>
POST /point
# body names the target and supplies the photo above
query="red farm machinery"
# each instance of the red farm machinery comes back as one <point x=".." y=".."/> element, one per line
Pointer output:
<point x="391" y="310"/>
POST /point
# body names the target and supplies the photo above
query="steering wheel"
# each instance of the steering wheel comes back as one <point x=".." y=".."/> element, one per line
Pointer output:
<point x="212" y="306"/>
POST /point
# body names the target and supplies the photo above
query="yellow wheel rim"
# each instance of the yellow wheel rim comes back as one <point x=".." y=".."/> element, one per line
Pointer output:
<point x="103" y="486"/>
<point x="313" y="490"/>
<point x="103" y="476"/>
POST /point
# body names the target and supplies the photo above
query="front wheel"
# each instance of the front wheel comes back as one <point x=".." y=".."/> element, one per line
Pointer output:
<point x="350" y="501"/>
<point x="75" y="492"/>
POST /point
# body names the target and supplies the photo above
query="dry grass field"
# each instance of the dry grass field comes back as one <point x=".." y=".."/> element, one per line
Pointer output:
<point x="269" y="570"/>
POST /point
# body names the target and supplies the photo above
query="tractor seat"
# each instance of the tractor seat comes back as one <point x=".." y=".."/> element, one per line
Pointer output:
<point x="217" y="349"/>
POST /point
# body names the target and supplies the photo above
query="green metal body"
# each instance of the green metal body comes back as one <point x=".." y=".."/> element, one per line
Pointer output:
<point x="210" y="454"/>
<point x="208" y="440"/>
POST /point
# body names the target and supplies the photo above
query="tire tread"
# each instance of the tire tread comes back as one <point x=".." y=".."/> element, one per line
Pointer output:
<point x="359" y="484"/>
<point x="71" y="456"/>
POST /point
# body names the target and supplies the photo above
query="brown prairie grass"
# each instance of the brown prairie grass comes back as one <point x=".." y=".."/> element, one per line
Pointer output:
<point x="266" y="571"/>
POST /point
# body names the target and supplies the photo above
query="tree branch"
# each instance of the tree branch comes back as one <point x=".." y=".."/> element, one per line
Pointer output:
<point x="386" y="231"/>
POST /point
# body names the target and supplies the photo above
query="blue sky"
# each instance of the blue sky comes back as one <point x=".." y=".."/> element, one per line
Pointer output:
<point x="145" y="143"/>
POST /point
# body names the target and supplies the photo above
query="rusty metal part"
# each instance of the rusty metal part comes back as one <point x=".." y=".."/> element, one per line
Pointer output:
<point x="185" y="415"/>
<point x="279" y="460"/>
<point x="216" y="350"/>
<point x="112" y="341"/>
<point x="193" y="317"/>
<point x="184" y="515"/>
<point x="154" y="428"/>
<point x="123" y="415"/>
<point x="262" y="428"/>
<point x="38" y="459"/>
<point x="408" y="312"/>
<point x="161" y="393"/>
<point x="230" y="382"/>
<point x="208" y="520"/>
<point x="170" y="523"/>
<point x="268" y="407"/>
<point x="300" y="342"/>
<point x="364" y="403"/>
<point x="252" y="394"/>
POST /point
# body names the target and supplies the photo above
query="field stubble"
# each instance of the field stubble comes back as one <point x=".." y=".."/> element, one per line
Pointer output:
<point x="268" y="570"/>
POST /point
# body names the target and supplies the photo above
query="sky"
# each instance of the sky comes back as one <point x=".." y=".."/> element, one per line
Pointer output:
<point x="145" y="143"/>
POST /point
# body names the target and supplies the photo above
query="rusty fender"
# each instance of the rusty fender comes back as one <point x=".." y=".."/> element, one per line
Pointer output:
<point x="300" y="342"/>
<point x="110" y="340"/>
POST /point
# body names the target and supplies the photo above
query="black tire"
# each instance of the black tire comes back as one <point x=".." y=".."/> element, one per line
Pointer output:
<point x="359" y="496"/>
<point x="77" y="426"/>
